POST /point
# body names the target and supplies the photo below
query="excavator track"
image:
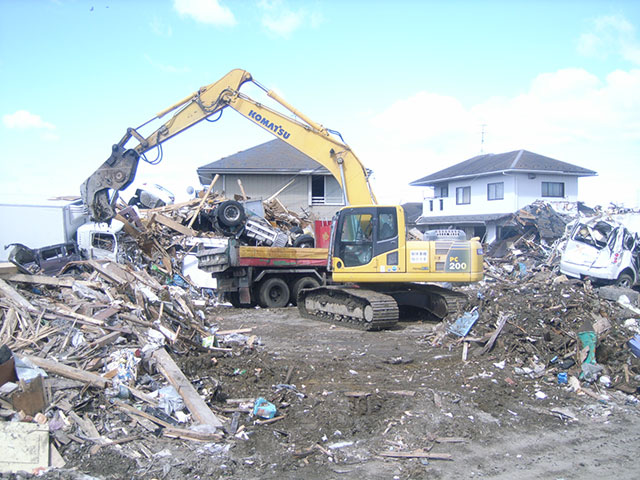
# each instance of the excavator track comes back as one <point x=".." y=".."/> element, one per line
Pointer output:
<point x="437" y="300"/>
<point x="376" y="307"/>
<point x="350" y="307"/>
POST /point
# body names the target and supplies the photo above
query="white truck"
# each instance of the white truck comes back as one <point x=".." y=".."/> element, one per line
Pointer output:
<point x="39" y="223"/>
<point x="605" y="250"/>
<point x="47" y="234"/>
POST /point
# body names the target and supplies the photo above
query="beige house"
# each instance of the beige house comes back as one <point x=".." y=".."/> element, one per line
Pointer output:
<point x="275" y="167"/>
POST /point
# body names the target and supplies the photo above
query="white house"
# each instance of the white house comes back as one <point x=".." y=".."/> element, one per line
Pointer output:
<point x="475" y="194"/>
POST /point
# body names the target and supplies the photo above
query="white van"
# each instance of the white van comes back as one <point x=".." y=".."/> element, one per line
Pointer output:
<point x="604" y="250"/>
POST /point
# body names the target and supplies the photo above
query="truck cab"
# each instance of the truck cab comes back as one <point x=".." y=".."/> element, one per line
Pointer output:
<point x="101" y="241"/>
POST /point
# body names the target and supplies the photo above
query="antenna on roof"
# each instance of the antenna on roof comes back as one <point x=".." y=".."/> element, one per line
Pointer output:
<point x="482" y="138"/>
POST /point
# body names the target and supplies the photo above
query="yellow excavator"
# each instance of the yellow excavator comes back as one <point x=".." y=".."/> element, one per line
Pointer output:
<point x="374" y="268"/>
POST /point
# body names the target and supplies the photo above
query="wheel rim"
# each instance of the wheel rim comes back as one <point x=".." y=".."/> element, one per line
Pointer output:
<point x="231" y="213"/>
<point x="276" y="293"/>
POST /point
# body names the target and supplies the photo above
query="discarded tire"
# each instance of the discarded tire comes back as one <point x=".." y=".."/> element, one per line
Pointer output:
<point x="304" y="241"/>
<point x="230" y="213"/>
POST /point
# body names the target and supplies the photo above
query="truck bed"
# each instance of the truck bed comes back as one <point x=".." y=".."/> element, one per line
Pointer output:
<point x="281" y="257"/>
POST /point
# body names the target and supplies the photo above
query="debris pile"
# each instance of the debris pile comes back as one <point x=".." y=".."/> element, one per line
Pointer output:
<point x="537" y="229"/>
<point x="535" y="326"/>
<point x="90" y="356"/>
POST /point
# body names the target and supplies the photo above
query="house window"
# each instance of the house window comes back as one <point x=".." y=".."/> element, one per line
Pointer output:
<point x="495" y="191"/>
<point x="463" y="195"/>
<point x="553" y="189"/>
<point x="441" y="191"/>
<point x="431" y="205"/>
<point x="325" y="190"/>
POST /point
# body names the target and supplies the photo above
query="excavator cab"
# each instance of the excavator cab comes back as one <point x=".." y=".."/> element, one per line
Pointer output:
<point x="363" y="234"/>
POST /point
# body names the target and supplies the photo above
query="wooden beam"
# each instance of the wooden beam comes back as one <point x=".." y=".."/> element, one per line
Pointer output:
<point x="173" y="225"/>
<point x="501" y="321"/>
<point x="417" y="454"/>
<point x="134" y="411"/>
<point x="8" y="268"/>
<point x="204" y="199"/>
<point x="244" y="195"/>
<point x="67" y="282"/>
<point x="185" y="434"/>
<point x="198" y="408"/>
<point x="69" y="372"/>
<point x="13" y="295"/>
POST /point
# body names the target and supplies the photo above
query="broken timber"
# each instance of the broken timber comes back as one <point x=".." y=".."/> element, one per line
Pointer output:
<point x="198" y="408"/>
<point x="417" y="454"/>
<point x="69" y="372"/>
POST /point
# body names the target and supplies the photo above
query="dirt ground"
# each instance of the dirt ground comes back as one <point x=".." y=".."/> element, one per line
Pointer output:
<point x="351" y="396"/>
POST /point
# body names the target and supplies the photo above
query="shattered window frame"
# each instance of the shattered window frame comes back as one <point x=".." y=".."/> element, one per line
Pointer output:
<point x="463" y="195"/>
<point x="495" y="191"/>
<point x="549" y="189"/>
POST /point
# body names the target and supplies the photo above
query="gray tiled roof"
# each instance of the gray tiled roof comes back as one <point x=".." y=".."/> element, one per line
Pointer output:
<point x="519" y="160"/>
<point x="273" y="157"/>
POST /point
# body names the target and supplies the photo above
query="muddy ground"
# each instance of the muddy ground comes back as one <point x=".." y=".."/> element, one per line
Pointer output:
<point x="354" y="395"/>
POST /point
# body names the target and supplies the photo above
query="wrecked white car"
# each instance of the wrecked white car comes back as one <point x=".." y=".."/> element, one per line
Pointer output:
<point x="606" y="251"/>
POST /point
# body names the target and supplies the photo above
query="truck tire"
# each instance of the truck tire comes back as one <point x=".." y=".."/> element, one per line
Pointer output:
<point x="625" y="280"/>
<point x="304" y="241"/>
<point x="273" y="293"/>
<point x="299" y="284"/>
<point x="230" y="213"/>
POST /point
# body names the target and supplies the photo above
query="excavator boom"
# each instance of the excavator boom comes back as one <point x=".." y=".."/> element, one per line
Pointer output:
<point x="99" y="191"/>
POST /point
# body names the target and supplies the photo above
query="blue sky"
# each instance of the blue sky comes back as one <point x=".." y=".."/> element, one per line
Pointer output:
<point x="409" y="84"/>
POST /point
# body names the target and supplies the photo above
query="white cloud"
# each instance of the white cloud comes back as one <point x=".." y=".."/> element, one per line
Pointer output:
<point x="423" y="116"/>
<point x="206" y="11"/>
<point x="282" y="21"/>
<point x="159" y="28"/>
<point x="611" y="35"/>
<point x="23" y="119"/>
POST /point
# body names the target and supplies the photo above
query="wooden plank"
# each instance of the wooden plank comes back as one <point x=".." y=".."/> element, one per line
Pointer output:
<point x="170" y="208"/>
<point x="69" y="372"/>
<point x="244" y="195"/>
<point x="13" y="295"/>
<point x="198" y="408"/>
<point x="50" y="281"/>
<point x="134" y="411"/>
<point x="106" y="313"/>
<point x="173" y="225"/>
<point x="105" y="340"/>
<point x="283" y="253"/>
<point x="8" y="268"/>
<point x="31" y="399"/>
<point x="204" y="199"/>
<point x="501" y="321"/>
<point x="64" y="310"/>
<point x="417" y="454"/>
<point x="185" y="434"/>
<point x="110" y="275"/>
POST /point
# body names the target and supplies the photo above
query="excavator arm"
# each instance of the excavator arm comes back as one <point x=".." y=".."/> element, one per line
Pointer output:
<point x="99" y="191"/>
